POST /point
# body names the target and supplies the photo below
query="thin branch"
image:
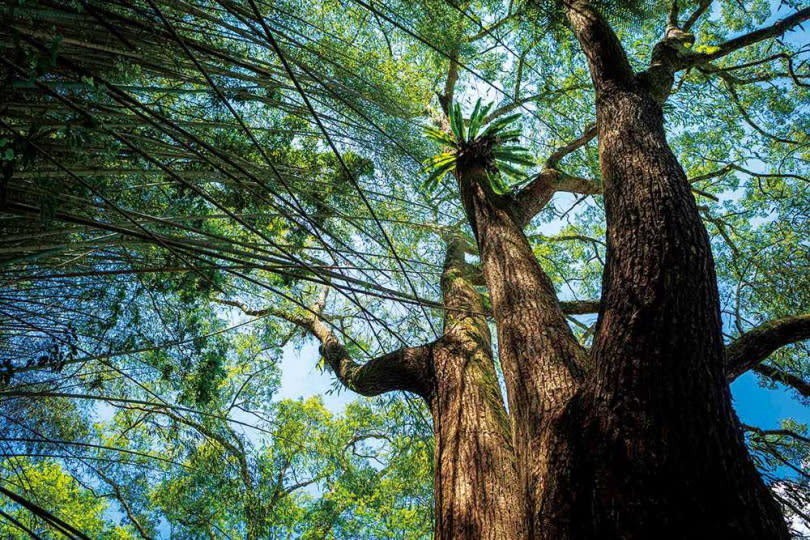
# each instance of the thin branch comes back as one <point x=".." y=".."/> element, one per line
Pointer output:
<point x="788" y="379"/>
<point x="38" y="511"/>
<point x="587" y="136"/>
<point x="485" y="31"/>
<point x="775" y="30"/>
<point x="693" y="18"/>
<point x="777" y="432"/>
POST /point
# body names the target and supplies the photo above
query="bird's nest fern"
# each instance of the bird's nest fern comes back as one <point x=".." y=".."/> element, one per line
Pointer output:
<point x="474" y="143"/>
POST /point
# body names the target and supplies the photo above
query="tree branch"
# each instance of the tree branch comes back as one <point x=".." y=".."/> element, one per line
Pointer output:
<point x="291" y="317"/>
<point x="777" y="375"/>
<point x="775" y="30"/>
<point x="520" y="102"/>
<point x="777" y="432"/>
<point x="580" y="307"/>
<point x="693" y="18"/>
<point x="673" y="54"/>
<point x="494" y="26"/>
<point x="537" y="193"/>
<point x="757" y="344"/>
<point x="587" y="136"/>
<point x="734" y="167"/>
<point x="405" y="369"/>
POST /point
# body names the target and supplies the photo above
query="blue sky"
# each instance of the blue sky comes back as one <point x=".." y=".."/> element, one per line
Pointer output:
<point x="764" y="407"/>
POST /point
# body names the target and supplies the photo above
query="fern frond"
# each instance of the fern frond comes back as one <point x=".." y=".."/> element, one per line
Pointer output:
<point x="439" y="136"/>
<point x="475" y="120"/>
<point x="458" y="120"/>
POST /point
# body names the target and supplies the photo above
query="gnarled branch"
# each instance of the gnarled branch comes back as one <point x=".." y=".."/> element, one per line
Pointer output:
<point x="406" y="369"/>
<point x="672" y="53"/>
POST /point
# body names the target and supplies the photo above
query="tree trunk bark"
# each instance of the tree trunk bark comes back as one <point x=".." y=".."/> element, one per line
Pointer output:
<point x="540" y="357"/>
<point x="476" y="485"/>
<point x="651" y="447"/>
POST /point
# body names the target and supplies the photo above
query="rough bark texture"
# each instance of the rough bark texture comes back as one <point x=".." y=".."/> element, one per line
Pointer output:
<point x="540" y="358"/>
<point x="476" y="484"/>
<point x="405" y="369"/>
<point x="757" y="344"/>
<point x="477" y="491"/>
<point x="650" y="447"/>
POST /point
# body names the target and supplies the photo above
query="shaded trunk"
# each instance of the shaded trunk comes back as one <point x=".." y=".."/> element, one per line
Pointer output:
<point x="651" y="446"/>
<point x="540" y="358"/>
<point x="476" y="487"/>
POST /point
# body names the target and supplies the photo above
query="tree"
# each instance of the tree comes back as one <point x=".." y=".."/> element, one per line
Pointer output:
<point x="264" y="160"/>
<point x="55" y="489"/>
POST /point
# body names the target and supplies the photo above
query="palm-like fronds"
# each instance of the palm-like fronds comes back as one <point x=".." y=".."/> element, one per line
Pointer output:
<point x="474" y="140"/>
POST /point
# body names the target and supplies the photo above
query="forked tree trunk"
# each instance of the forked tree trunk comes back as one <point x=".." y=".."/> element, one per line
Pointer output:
<point x="540" y="357"/>
<point x="476" y="485"/>
<point x="651" y="447"/>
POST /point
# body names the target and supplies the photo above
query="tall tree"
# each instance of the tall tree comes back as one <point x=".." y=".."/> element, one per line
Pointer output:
<point x="175" y="171"/>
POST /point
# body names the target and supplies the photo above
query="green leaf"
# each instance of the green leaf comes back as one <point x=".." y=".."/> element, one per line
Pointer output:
<point x="497" y="184"/>
<point x="475" y="120"/>
<point x="505" y="168"/>
<point x="459" y="123"/>
<point x="499" y="124"/>
<point x="441" y="159"/>
<point x="485" y="111"/>
<point x="515" y="155"/>
<point x="510" y="135"/>
<point x="439" y="136"/>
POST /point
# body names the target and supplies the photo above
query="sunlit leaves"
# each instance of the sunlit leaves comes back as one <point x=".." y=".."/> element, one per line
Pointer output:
<point x="466" y="138"/>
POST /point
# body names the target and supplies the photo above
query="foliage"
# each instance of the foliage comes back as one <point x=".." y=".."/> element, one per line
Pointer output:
<point x="490" y="146"/>
<point x="51" y="487"/>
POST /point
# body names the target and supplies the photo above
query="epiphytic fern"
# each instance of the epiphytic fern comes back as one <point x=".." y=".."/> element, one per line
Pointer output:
<point x="489" y="145"/>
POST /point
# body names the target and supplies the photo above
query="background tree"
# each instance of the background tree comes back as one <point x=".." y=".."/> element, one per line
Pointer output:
<point x="189" y="186"/>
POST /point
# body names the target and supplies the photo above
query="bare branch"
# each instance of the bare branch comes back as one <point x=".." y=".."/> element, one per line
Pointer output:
<point x="537" y="193"/>
<point x="517" y="103"/>
<point x="580" y="307"/>
<point x="587" y="136"/>
<point x="746" y="116"/>
<point x="777" y="432"/>
<point x="757" y="344"/>
<point x="734" y="167"/>
<point x="494" y="26"/>
<point x="693" y="18"/>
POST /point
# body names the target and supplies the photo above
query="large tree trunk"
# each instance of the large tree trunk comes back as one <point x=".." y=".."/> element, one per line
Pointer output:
<point x="540" y="357"/>
<point x="476" y="485"/>
<point x="651" y="448"/>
